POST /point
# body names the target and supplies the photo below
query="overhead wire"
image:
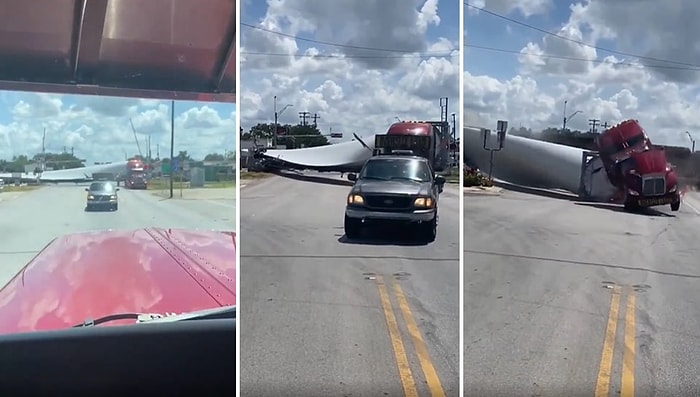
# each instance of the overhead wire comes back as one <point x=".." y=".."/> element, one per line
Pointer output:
<point x="683" y="65"/>
<point x="408" y="53"/>
<point x="569" y="58"/>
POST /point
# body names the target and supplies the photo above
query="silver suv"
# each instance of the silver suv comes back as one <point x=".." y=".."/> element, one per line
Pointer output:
<point x="396" y="189"/>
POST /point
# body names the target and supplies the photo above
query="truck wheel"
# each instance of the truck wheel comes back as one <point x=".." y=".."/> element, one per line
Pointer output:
<point x="116" y="207"/>
<point x="352" y="228"/>
<point x="676" y="206"/>
<point x="429" y="230"/>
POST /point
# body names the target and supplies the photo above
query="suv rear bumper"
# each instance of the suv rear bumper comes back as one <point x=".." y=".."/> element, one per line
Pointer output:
<point x="107" y="203"/>
<point x="407" y="217"/>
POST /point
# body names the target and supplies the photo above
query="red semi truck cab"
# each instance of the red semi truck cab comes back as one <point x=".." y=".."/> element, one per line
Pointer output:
<point x="429" y="139"/>
<point x="638" y="169"/>
<point x="135" y="175"/>
<point x="617" y="143"/>
<point x="650" y="180"/>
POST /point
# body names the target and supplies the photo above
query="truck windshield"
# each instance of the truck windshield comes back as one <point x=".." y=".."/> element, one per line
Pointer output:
<point x="418" y="144"/>
<point x="387" y="169"/>
<point x="635" y="140"/>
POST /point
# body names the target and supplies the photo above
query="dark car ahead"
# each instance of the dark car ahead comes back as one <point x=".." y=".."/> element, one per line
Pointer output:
<point x="102" y="195"/>
<point x="394" y="189"/>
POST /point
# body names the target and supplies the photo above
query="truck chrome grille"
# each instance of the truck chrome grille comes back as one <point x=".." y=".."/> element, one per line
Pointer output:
<point x="388" y="202"/>
<point x="653" y="186"/>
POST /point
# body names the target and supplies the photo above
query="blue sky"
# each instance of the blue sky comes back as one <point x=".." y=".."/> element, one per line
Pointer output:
<point x="350" y="94"/>
<point x="98" y="128"/>
<point x="499" y="85"/>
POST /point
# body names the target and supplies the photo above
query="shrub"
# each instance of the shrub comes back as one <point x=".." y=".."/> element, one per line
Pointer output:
<point x="474" y="178"/>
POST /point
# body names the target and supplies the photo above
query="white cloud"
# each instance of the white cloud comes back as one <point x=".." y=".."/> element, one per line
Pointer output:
<point x="352" y="87"/>
<point x="98" y="128"/>
<point x="530" y="90"/>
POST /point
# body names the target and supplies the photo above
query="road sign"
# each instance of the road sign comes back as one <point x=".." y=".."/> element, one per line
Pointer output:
<point x="336" y="134"/>
<point x="175" y="165"/>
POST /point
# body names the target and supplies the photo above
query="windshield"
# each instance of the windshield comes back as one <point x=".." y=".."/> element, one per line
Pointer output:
<point x="108" y="187"/>
<point x="100" y="240"/>
<point x="387" y="169"/>
<point x="635" y="140"/>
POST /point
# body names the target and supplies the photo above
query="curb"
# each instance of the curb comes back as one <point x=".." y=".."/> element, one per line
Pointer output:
<point x="478" y="191"/>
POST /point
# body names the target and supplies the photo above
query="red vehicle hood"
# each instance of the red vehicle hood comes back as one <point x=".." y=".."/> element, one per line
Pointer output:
<point x="95" y="274"/>
<point x="650" y="161"/>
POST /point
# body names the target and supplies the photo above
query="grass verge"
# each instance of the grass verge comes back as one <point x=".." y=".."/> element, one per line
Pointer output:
<point x="165" y="185"/>
<point x="254" y="175"/>
<point x="25" y="188"/>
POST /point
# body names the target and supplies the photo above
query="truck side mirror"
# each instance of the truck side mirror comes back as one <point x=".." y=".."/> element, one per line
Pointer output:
<point x="352" y="177"/>
<point x="87" y="190"/>
<point x="439" y="180"/>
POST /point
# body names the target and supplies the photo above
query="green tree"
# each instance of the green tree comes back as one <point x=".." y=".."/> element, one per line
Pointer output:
<point x="261" y="131"/>
<point x="295" y="136"/>
<point x="214" y="157"/>
<point x="304" y="136"/>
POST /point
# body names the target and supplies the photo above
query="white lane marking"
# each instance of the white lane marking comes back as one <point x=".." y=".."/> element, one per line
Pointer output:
<point x="692" y="207"/>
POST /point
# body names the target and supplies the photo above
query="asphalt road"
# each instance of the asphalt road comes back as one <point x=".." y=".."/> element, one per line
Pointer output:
<point x="563" y="298"/>
<point x="30" y="220"/>
<point x="325" y="317"/>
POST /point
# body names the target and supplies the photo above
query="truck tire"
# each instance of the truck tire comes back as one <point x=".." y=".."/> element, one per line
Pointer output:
<point x="428" y="230"/>
<point x="352" y="227"/>
<point x="676" y="206"/>
<point x="116" y="207"/>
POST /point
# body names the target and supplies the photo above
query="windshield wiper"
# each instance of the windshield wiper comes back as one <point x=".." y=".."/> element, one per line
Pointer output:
<point x="207" y="314"/>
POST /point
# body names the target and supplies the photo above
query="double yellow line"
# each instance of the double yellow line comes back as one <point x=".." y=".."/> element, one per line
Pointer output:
<point x="602" y="388"/>
<point x="407" y="380"/>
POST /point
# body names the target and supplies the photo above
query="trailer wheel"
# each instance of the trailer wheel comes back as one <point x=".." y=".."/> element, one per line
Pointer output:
<point x="676" y="206"/>
<point x="352" y="227"/>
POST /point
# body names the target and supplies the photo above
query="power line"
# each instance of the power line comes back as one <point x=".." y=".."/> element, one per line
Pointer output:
<point x="628" y="54"/>
<point x="567" y="58"/>
<point x="291" y="36"/>
<point x="341" y="56"/>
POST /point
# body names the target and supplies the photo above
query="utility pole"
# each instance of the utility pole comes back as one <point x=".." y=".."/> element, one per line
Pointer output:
<point x="303" y="116"/>
<point x="605" y="125"/>
<point x="593" y="123"/>
<point x="172" y="144"/>
<point x="315" y="118"/>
